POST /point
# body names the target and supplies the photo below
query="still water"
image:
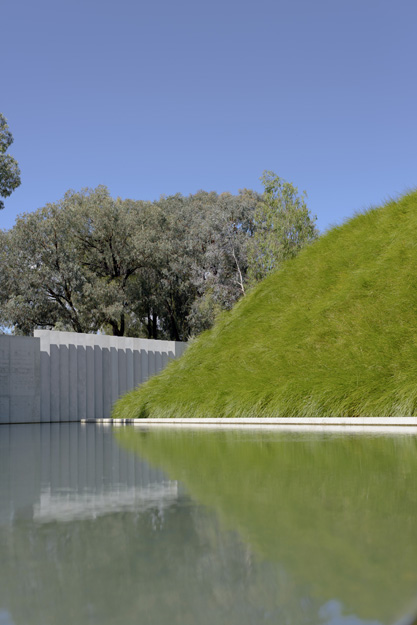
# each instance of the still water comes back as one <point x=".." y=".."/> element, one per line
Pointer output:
<point x="165" y="526"/>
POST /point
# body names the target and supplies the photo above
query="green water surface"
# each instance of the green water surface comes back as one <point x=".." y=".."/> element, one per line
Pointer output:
<point x="180" y="526"/>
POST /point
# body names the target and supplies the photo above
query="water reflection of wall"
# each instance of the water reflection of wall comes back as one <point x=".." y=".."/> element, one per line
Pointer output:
<point x="62" y="471"/>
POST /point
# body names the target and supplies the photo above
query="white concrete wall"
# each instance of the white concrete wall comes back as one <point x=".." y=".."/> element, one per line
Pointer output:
<point x="82" y="375"/>
<point x="19" y="379"/>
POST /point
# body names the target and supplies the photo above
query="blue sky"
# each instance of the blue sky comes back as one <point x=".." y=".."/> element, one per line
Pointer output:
<point x="160" y="97"/>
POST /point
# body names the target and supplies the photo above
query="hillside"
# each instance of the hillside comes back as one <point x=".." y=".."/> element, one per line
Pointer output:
<point x="332" y="333"/>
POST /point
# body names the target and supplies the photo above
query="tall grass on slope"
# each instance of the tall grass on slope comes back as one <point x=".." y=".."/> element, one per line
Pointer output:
<point x="333" y="333"/>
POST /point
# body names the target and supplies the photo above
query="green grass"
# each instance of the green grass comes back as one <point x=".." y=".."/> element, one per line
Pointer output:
<point x="333" y="333"/>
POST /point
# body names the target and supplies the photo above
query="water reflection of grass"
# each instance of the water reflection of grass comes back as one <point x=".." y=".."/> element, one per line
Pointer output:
<point x="337" y="512"/>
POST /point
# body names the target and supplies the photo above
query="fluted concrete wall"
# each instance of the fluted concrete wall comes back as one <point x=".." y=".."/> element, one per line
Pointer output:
<point x="82" y="375"/>
<point x="19" y="379"/>
<point x="64" y="376"/>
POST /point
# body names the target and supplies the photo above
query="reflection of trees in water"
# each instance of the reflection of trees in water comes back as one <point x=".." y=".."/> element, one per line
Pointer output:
<point x="153" y="567"/>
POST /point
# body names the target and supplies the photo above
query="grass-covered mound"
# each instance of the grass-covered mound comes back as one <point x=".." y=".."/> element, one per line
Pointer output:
<point x="333" y="333"/>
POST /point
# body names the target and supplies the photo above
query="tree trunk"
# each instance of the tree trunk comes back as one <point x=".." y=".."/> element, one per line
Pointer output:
<point x="119" y="330"/>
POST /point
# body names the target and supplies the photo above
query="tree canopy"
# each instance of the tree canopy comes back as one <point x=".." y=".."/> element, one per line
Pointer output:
<point x="161" y="269"/>
<point x="282" y="224"/>
<point x="9" y="169"/>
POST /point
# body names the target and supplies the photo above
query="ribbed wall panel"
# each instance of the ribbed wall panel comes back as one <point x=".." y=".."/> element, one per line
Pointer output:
<point x="82" y="375"/>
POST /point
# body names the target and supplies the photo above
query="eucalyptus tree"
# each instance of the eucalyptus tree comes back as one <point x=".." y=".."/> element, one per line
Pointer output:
<point x="70" y="264"/>
<point x="114" y="240"/>
<point x="44" y="284"/>
<point x="9" y="169"/>
<point x="222" y="276"/>
<point x="4" y="281"/>
<point x="160" y="269"/>
<point x="165" y="290"/>
<point x="282" y="226"/>
<point x="202" y="262"/>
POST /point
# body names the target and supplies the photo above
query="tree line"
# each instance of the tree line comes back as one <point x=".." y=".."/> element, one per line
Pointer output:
<point x="9" y="168"/>
<point x="161" y="269"/>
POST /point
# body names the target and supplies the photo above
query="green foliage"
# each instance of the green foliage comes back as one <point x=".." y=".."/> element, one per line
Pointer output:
<point x="333" y="333"/>
<point x="282" y="226"/>
<point x="70" y="265"/>
<point x="336" y="513"/>
<point x="9" y="169"/>
<point x="161" y="269"/>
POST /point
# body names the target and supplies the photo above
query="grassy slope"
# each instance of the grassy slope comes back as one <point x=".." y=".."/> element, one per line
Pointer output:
<point x="333" y="333"/>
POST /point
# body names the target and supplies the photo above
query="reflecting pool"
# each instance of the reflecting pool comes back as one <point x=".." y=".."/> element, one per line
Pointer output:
<point x="174" y="526"/>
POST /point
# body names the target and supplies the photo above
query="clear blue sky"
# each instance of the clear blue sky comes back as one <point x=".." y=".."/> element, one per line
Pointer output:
<point x="160" y="97"/>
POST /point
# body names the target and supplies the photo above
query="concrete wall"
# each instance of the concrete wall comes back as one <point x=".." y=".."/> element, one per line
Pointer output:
<point x="65" y="376"/>
<point x="19" y="379"/>
<point x="82" y="375"/>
